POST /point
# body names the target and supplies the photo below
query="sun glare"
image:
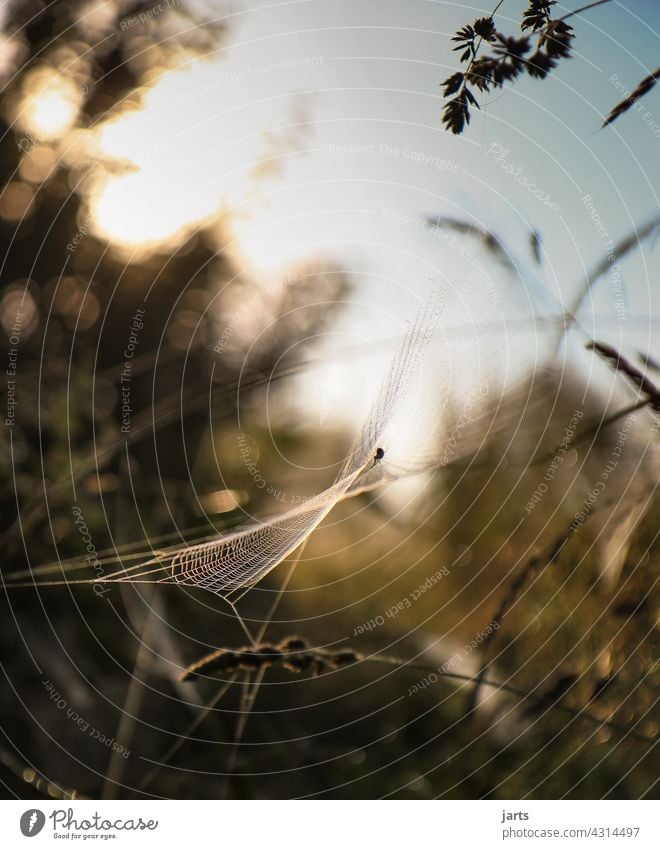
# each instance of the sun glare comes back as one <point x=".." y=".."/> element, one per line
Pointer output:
<point x="167" y="191"/>
<point x="140" y="211"/>
<point x="51" y="105"/>
<point x="192" y="154"/>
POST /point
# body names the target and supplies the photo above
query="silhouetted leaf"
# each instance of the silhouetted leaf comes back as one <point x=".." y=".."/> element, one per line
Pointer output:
<point x="511" y="47"/>
<point x="480" y="73"/>
<point x="456" y="114"/>
<point x="540" y="64"/>
<point x="465" y="37"/>
<point x="471" y="98"/>
<point x="511" y="52"/>
<point x="464" y="34"/>
<point x="485" y="28"/>
<point x="453" y="83"/>
<point x="537" y="16"/>
<point x="556" y="41"/>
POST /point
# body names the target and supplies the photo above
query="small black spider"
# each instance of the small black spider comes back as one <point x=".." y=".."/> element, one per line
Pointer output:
<point x="378" y="456"/>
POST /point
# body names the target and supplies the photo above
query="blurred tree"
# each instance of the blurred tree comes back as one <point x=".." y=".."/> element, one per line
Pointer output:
<point x="71" y="305"/>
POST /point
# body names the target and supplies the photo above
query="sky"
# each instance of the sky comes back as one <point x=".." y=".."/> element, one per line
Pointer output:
<point x="314" y="134"/>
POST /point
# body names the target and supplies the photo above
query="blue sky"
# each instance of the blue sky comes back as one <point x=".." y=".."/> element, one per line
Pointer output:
<point x="376" y="87"/>
<point x="315" y="133"/>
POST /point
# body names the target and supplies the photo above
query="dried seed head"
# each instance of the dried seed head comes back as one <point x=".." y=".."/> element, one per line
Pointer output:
<point x="344" y="657"/>
<point x="222" y="660"/>
<point x="292" y="644"/>
<point x="294" y="654"/>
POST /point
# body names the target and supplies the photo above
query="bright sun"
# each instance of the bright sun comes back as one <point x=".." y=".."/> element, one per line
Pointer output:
<point x="51" y="106"/>
<point x="189" y="151"/>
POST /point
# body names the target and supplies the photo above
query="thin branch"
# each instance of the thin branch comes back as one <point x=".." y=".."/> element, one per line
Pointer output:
<point x="533" y="567"/>
<point x="479" y="43"/>
<point x="183" y="738"/>
<point x="27" y="774"/>
<point x="624" y="247"/>
<point x="132" y="701"/>
<point x="584" y="9"/>
<point x="514" y="691"/>
<point x="296" y="655"/>
<point x="642" y="88"/>
<point x="640" y="381"/>
<point x="592" y="430"/>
